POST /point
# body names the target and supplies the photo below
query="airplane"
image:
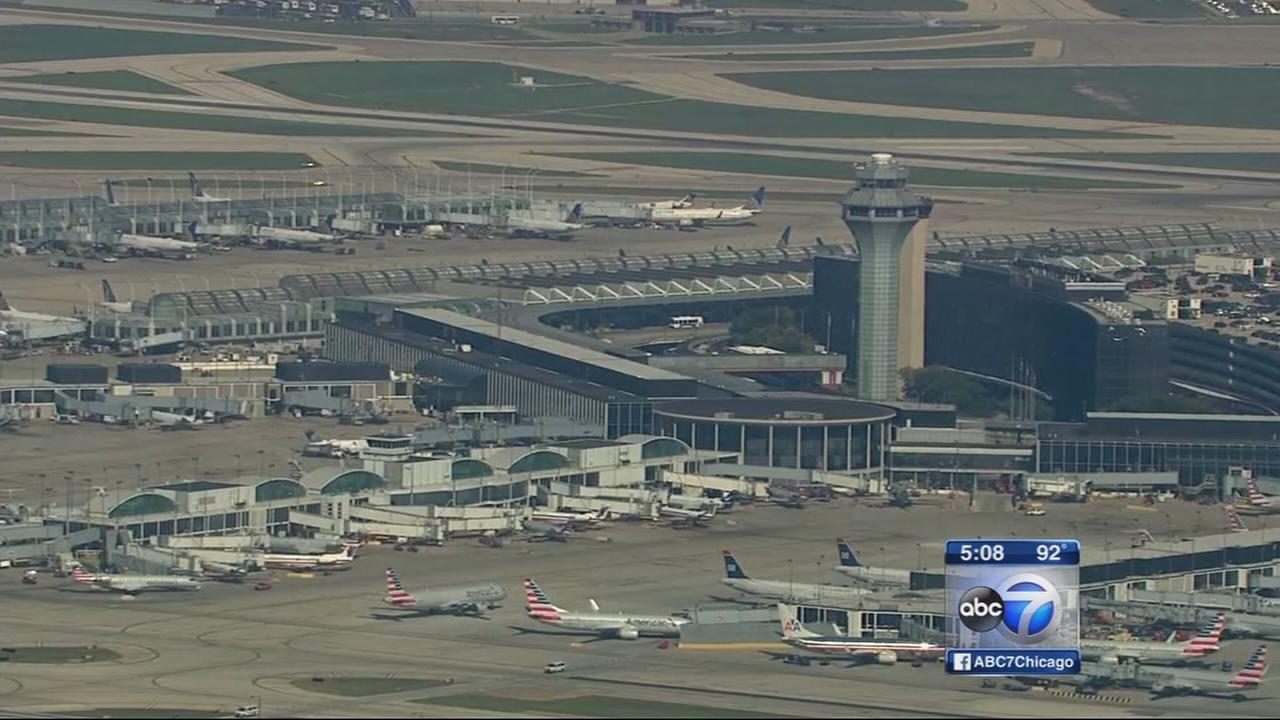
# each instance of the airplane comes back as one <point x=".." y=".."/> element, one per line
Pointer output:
<point x="155" y="246"/>
<point x="570" y="517"/>
<point x="850" y="566"/>
<point x="168" y="419"/>
<point x="885" y="651"/>
<point x="542" y="531"/>
<point x="625" y="626"/>
<point x="134" y="584"/>
<point x="1238" y="624"/>
<point x="285" y="561"/>
<point x="111" y="196"/>
<point x="200" y="195"/>
<point x="293" y="237"/>
<point x="701" y="216"/>
<point x="785" y="238"/>
<point x="786" y="498"/>
<point x="1211" y="683"/>
<point x="30" y="326"/>
<point x="788" y="592"/>
<point x="1255" y="503"/>
<point x="456" y="599"/>
<point x="109" y="299"/>
<point x="222" y="571"/>
<point x="525" y="224"/>
<point x="682" y="203"/>
<point x="1148" y="652"/>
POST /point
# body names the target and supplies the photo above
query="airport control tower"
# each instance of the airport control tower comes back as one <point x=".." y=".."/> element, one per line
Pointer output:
<point x="889" y="224"/>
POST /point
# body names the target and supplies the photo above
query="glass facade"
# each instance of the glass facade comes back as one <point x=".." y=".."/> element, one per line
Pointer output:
<point x="813" y="446"/>
<point x="1192" y="461"/>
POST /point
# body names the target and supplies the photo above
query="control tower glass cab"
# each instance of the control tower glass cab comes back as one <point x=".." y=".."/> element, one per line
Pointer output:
<point x="881" y="213"/>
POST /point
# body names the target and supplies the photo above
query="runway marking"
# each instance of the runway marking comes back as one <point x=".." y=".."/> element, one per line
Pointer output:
<point x="734" y="646"/>
<point x="1252" y="208"/>
<point x="1141" y="508"/>
<point x="1089" y="697"/>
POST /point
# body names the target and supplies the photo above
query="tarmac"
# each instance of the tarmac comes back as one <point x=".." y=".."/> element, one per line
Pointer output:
<point x="228" y="644"/>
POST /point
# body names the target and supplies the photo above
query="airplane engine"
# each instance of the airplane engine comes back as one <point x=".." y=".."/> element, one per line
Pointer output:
<point x="629" y="633"/>
<point x="887" y="657"/>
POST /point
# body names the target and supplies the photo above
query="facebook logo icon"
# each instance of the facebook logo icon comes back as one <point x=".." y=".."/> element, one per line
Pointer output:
<point x="961" y="662"/>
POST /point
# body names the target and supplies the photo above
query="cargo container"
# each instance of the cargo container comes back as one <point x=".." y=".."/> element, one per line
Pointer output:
<point x="76" y="374"/>
<point x="149" y="373"/>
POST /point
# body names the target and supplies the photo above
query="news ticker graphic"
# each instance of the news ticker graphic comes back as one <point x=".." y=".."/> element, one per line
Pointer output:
<point x="1013" y="607"/>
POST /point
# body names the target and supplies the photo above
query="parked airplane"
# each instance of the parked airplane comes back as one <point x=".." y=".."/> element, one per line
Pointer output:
<point x="702" y="216"/>
<point x="1212" y="683"/>
<point x="625" y="626"/>
<point x="29" y="326"/>
<point x="526" y="224"/>
<point x="223" y="572"/>
<point x="456" y="599"/>
<point x="1149" y="652"/>
<point x="285" y="561"/>
<point x="687" y="515"/>
<point x="1238" y="624"/>
<point x="885" y="651"/>
<point x="543" y="531"/>
<point x="200" y="195"/>
<point x="571" y="518"/>
<point x="110" y="302"/>
<point x="850" y="566"/>
<point x="133" y="584"/>
<point x="788" y="592"/>
<point x="294" y="237"/>
<point x="1256" y="503"/>
<point x="785" y="238"/>
<point x="1234" y="523"/>
<point x="168" y="419"/>
<point x="786" y="498"/>
<point x="155" y="246"/>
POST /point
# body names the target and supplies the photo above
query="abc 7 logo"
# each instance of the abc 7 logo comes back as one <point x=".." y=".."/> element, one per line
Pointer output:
<point x="1024" y="608"/>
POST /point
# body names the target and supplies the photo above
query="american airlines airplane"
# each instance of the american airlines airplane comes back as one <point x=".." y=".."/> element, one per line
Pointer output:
<point x="133" y="584"/>
<point x="885" y="651"/>
<point x="1213" y="683"/>
<point x="788" y="592"/>
<point x="625" y="626"/>
<point x="1192" y="650"/>
<point x="456" y="599"/>
<point x="850" y="566"/>
<point x="285" y="561"/>
<point x="29" y="326"/>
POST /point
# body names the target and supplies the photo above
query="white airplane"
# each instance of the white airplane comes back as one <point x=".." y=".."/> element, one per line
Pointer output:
<point x="526" y="224"/>
<point x="110" y="302"/>
<point x="625" y="626"/>
<point x="289" y="561"/>
<point x="679" y="514"/>
<point x="1178" y="681"/>
<point x="133" y="584"/>
<point x="457" y="599"/>
<point x="885" y="651"/>
<point x="684" y="202"/>
<point x="167" y="418"/>
<point x="293" y="237"/>
<point x="850" y="566"/>
<point x="31" y="326"/>
<point x="570" y="517"/>
<point x="200" y="195"/>
<point x="788" y="592"/>
<point x="701" y="216"/>
<point x="1115" y="651"/>
<point x="151" y="245"/>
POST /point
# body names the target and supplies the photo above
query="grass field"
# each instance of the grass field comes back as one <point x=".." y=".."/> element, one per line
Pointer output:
<point x="487" y="89"/>
<point x="862" y="5"/>
<point x="840" y="34"/>
<point x="1254" y="161"/>
<point x="573" y="27"/>
<point x="25" y="132"/>
<point x="144" y="160"/>
<point x="361" y="687"/>
<point x="591" y="706"/>
<point x="193" y="121"/>
<point x="416" y="29"/>
<point x="843" y="170"/>
<point x="105" y="80"/>
<point x="1241" y="97"/>
<point x="513" y="171"/>
<point x="32" y="43"/>
<point x="998" y="50"/>
<point x="219" y="182"/>
<point x="54" y="655"/>
<point x="1151" y="9"/>
<point x="145" y="713"/>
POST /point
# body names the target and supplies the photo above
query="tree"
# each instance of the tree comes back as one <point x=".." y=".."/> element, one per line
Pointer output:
<point x="940" y="385"/>
<point x="776" y="327"/>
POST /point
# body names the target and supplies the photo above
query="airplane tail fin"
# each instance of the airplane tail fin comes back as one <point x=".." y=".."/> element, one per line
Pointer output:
<point x="4" y="304"/>
<point x="537" y="602"/>
<point x="575" y="215"/>
<point x="1256" y="498"/>
<point x="1234" y="523"/>
<point x="845" y="550"/>
<point x="396" y="594"/>
<point x="1208" y="639"/>
<point x="785" y="238"/>
<point x="595" y="606"/>
<point x="80" y="576"/>
<point x="111" y="196"/>
<point x="196" y="192"/>
<point x="791" y="626"/>
<point x="1253" y="671"/>
<point x="108" y="294"/>
<point x="757" y="199"/>
<point x="732" y="568"/>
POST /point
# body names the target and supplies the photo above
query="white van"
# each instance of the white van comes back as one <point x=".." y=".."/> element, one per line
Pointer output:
<point x="555" y="667"/>
<point x="248" y="711"/>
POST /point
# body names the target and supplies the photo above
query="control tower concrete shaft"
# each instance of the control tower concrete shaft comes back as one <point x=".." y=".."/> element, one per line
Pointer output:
<point x="889" y="224"/>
